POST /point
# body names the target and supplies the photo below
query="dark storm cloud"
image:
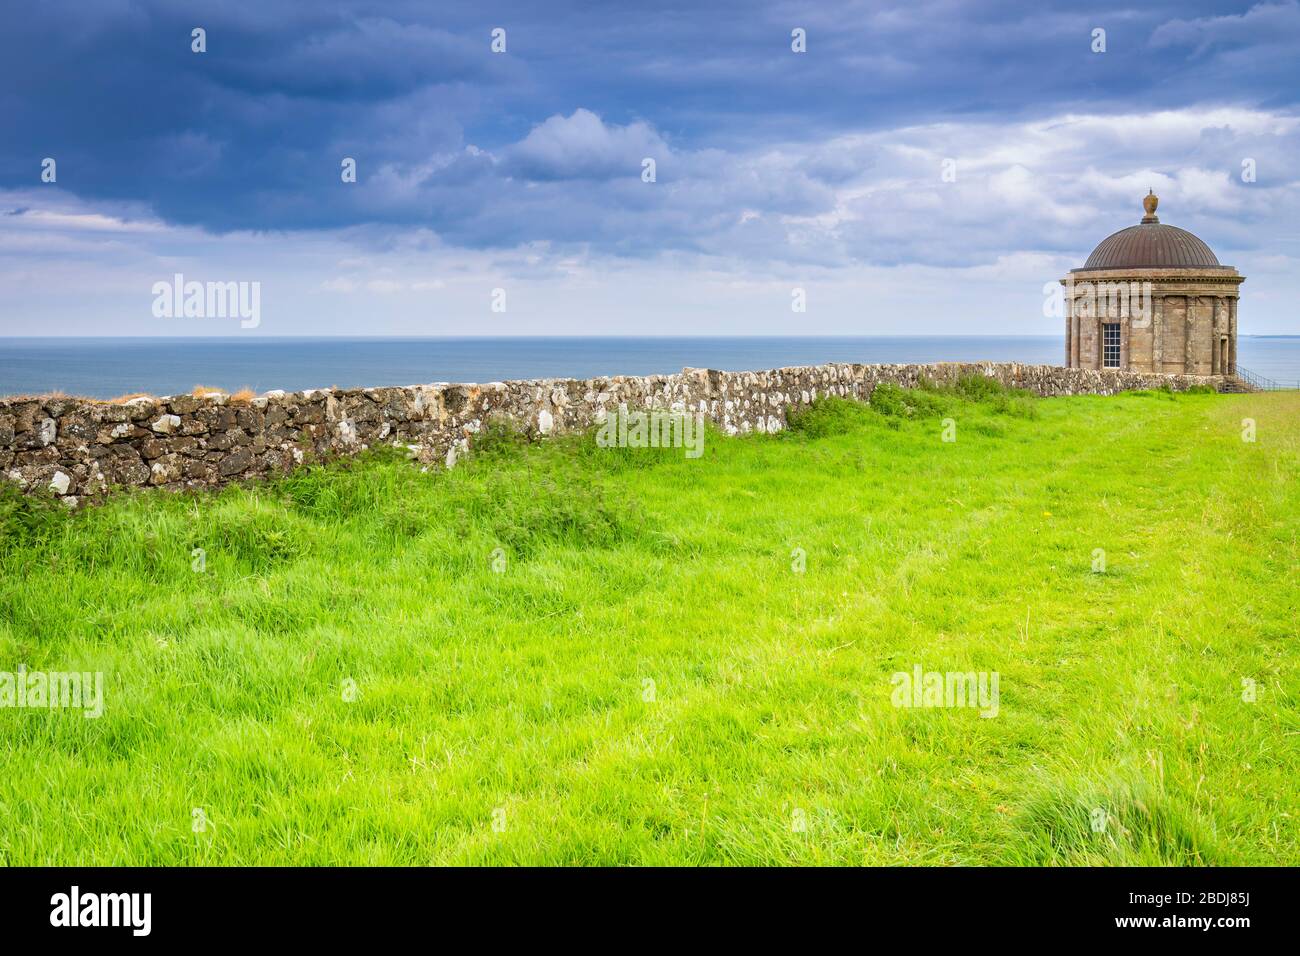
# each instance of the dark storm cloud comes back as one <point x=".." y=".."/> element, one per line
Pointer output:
<point x="546" y="141"/>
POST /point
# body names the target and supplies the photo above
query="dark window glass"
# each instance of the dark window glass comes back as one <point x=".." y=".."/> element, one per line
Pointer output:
<point x="1110" y="345"/>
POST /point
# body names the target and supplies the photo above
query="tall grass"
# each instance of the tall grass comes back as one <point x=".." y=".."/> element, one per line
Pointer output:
<point x="561" y="653"/>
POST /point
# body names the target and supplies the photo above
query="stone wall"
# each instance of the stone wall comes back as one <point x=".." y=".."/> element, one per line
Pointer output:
<point x="78" y="448"/>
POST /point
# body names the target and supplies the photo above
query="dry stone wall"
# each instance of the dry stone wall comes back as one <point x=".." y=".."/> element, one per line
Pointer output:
<point x="78" y="448"/>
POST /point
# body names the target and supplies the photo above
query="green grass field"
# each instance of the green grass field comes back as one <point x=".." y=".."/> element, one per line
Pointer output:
<point x="647" y="679"/>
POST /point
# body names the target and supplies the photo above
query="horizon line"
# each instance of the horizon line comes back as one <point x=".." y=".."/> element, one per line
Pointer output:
<point x="489" y="338"/>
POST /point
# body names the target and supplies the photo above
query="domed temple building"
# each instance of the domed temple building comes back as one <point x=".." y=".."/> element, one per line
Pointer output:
<point x="1152" y="298"/>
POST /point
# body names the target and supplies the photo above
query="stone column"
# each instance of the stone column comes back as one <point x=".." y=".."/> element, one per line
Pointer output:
<point x="1157" y="332"/>
<point x="1232" y="335"/>
<point x="1123" y="341"/>
<point x="1215" y="359"/>
<point x="1069" y="331"/>
<point x="1189" y="335"/>
<point x="1078" y="339"/>
<point x="1100" y="356"/>
<point x="1222" y="323"/>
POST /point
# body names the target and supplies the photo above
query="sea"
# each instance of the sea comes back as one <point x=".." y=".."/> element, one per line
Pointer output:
<point x="109" y="367"/>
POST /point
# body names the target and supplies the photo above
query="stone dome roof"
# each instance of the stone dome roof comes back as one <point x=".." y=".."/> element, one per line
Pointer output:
<point x="1152" y="245"/>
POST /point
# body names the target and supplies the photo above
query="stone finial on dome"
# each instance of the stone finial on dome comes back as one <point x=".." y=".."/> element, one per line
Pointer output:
<point x="1149" y="203"/>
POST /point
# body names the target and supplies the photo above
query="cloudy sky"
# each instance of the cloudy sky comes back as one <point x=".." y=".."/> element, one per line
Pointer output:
<point x="523" y="170"/>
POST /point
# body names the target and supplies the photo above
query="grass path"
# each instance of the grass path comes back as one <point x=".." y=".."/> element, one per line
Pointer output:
<point x="520" y="698"/>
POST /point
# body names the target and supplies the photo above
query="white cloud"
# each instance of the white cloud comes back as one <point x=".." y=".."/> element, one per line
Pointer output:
<point x="582" y="145"/>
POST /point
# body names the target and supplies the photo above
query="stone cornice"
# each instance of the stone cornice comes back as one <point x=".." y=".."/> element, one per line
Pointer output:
<point x="1225" y="276"/>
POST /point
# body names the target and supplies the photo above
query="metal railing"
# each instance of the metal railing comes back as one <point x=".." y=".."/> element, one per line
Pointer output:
<point x="1264" y="384"/>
